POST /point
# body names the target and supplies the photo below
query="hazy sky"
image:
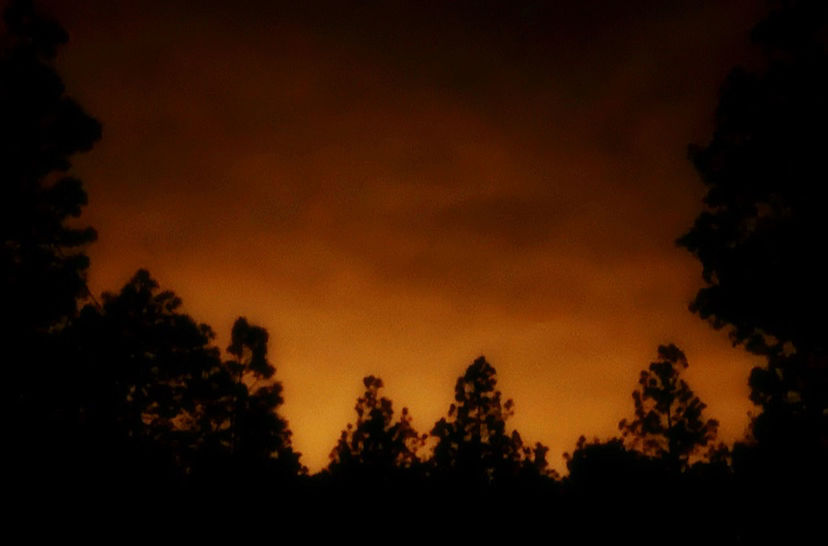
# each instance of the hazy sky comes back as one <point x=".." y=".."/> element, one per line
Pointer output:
<point x="395" y="188"/>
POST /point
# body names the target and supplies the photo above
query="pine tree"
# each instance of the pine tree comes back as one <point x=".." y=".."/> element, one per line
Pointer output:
<point x="669" y="422"/>
<point x="472" y="443"/>
<point x="376" y="446"/>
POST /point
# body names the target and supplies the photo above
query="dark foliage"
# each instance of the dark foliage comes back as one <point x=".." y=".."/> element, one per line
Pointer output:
<point x="258" y="435"/>
<point x="139" y="357"/>
<point x="127" y="408"/>
<point x="143" y="404"/>
<point x="614" y="491"/>
<point x="42" y="264"/>
<point x="41" y="257"/>
<point x="605" y="469"/>
<point x="668" y="421"/>
<point x="760" y="235"/>
<point x="376" y="448"/>
<point x="759" y="241"/>
<point x="473" y="446"/>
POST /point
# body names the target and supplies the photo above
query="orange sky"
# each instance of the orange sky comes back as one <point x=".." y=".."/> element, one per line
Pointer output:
<point x="397" y="190"/>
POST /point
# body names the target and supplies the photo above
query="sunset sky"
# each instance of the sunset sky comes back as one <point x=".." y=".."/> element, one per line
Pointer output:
<point x="395" y="188"/>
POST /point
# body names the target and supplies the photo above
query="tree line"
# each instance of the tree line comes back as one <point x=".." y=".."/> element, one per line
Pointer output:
<point x="126" y="395"/>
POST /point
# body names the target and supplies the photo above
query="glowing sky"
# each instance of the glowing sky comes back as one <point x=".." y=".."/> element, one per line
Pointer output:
<point x="396" y="188"/>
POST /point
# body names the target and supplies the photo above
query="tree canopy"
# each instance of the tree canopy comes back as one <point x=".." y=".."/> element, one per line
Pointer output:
<point x="140" y="368"/>
<point x="42" y="262"/>
<point x="472" y="442"/>
<point x="258" y="434"/>
<point x="41" y="258"/>
<point x="668" y="421"/>
<point x="760" y="236"/>
<point x="133" y="393"/>
<point x="147" y="377"/>
<point x="376" y="445"/>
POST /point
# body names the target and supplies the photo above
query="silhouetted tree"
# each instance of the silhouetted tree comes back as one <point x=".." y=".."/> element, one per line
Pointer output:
<point x="258" y="434"/>
<point x="606" y="476"/>
<point x="472" y="443"/>
<point x="141" y="370"/>
<point x="619" y="487"/>
<point x="42" y="264"/>
<point x="376" y="448"/>
<point x="602" y="466"/>
<point x="668" y="421"/>
<point x="764" y="223"/>
<point x="148" y="384"/>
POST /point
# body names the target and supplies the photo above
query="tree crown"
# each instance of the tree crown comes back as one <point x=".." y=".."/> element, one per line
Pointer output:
<point x="44" y="269"/>
<point x="668" y="419"/>
<point x="473" y="441"/>
<point x="376" y="443"/>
